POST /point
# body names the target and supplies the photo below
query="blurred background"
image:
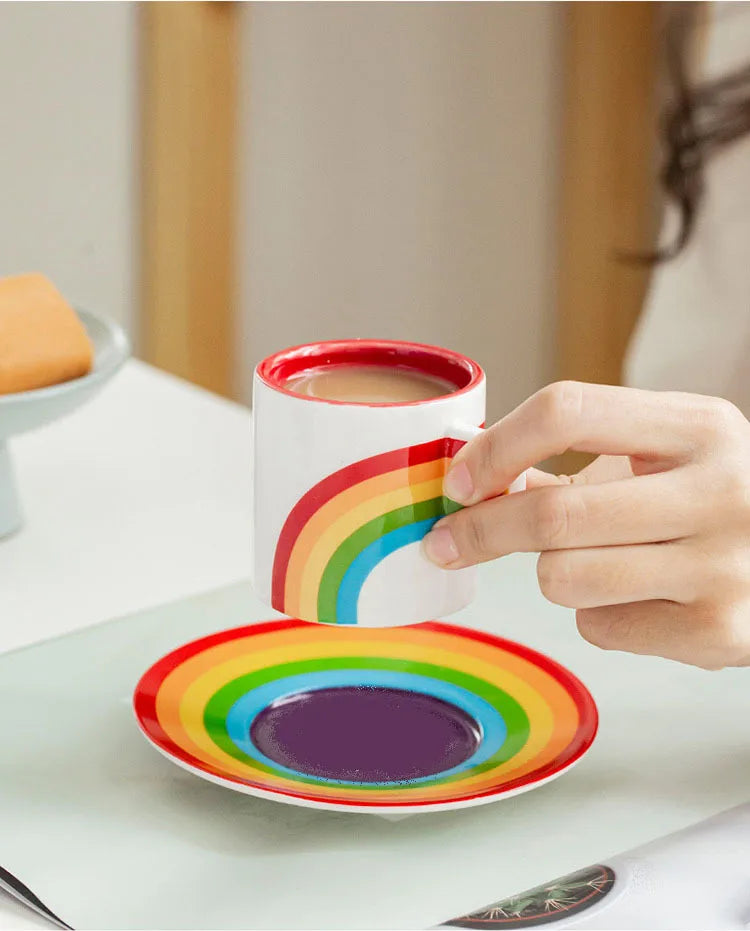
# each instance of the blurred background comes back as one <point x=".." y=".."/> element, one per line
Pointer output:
<point x="226" y="179"/>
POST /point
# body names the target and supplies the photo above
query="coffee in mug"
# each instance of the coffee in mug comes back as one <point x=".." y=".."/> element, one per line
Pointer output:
<point x="368" y="384"/>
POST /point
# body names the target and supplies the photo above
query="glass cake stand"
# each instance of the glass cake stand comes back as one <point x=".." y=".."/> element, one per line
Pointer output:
<point x="27" y="410"/>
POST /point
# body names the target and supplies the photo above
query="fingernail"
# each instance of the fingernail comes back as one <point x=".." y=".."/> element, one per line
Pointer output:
<point x="440" y="546"/>
<point x="457" y="484"/>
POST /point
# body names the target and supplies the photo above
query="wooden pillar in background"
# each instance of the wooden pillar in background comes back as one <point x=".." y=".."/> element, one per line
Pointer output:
<point x="189" y="60"/>
<point x="608" y="193"/>
<point x="608" y="197"/>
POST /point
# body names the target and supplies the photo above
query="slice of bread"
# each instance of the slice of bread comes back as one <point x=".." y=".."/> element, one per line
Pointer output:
<point x="42" y="340"/>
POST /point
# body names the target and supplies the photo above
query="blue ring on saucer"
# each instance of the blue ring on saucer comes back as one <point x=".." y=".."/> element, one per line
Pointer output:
<point x="239" y="720"/>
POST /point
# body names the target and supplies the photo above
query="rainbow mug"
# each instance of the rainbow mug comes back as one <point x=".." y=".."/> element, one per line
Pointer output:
<point x="345" y="491"/>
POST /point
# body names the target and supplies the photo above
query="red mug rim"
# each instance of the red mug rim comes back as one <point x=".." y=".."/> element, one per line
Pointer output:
<point x="453" y="367"/>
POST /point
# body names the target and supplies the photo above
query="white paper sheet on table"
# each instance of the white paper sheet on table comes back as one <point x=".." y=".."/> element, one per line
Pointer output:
<point x="13" y="887"/>
<point x="109" y="834"/>
<point x="696" y="878"/>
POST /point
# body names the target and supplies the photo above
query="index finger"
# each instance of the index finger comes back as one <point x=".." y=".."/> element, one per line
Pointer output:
<point x="602" y="419"/>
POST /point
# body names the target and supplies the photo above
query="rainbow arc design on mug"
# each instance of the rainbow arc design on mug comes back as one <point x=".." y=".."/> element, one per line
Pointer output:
<point x="349" y="522"/>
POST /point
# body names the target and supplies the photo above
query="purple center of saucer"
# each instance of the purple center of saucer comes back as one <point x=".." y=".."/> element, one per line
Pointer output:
<point x="365" y="734"/>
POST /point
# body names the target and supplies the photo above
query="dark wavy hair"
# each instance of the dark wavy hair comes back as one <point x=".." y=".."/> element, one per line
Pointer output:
<point x="700" y="120"/>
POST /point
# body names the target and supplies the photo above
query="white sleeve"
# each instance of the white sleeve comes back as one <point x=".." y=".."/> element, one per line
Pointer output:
<point x="694" y="333"/>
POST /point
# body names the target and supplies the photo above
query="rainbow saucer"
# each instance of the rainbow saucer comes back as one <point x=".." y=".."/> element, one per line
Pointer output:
<point x="388" y="721"/>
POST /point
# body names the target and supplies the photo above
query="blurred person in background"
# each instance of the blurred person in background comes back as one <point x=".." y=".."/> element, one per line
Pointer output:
<point x="650" y="543"/>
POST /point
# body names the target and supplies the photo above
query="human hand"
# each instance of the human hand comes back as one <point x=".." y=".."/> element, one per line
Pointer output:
<point x="650" y="543"/>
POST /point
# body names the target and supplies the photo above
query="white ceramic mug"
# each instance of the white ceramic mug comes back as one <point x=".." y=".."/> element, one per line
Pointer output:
<point x="345" y="491"/>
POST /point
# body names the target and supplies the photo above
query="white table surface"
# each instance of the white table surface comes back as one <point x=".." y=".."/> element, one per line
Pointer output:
<point x="140" y="497"/>
<point x="143" y="497"/>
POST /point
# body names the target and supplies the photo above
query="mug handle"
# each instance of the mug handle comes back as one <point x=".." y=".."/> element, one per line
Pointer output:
<point x="463" y="432"/>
